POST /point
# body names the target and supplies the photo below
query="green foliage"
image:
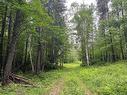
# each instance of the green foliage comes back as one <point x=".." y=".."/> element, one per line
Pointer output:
<point x="99" y="80"/>
<point x="72" y="56"/>
<point x="84" y="26"/>
<point x="72" y="88"/>
<point x="106" y="80"/>
<point x="43" y="41"/>
<point x="38" y="28"/>
<point x="110" y="39"/>
<point x="44" y="82"/>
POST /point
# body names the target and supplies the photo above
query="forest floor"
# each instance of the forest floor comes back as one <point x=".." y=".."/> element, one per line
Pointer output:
<point x="110" y="79"/>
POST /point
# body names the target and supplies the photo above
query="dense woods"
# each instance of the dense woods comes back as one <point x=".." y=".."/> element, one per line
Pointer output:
<point x="101" y="30"/>
<point x="41" y="35"/>
<point x="33" y="36"/>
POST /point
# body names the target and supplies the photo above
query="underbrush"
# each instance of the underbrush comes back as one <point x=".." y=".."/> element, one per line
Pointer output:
<point x="106" y="80"/>
<point x="44" y="82"/>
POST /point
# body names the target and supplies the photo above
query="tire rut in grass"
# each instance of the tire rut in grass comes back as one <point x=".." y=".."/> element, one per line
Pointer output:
<point x="72" y="86"/>
<point x="87" y="91"/>
<point x="75" y="86"/>
<point x="57" y="88"/>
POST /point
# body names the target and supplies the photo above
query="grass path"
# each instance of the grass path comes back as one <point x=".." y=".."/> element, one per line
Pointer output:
<point x="86" y="90"/>
<point x="70" y="84"/>
<point x="57" y="88"/>
<point x="73" y="84"/>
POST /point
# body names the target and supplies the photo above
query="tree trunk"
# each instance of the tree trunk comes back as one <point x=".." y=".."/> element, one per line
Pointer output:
<point x="87" y="56"/>
<point x="121" y="48"/>
<point x="30" y="53"/>
<point x="112" y="49"/>
<point x="2" y="39"/>
<point x="38" y="63"/>
<point x="121" y="43"/>
<point x="9" y="35"/>
<point x="12" y="47"/>
<point x="25" y="56"/>
<point x="9" y="40"/>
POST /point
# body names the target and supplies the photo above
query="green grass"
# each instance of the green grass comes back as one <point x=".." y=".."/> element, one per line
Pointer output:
<point x="72" y="84"/>
<point x="106" y="80"/>
<point x="102" y="80"/>
<point x="44" y="82"/>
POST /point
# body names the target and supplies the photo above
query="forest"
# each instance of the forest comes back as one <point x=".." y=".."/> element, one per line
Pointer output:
<point x="48" y="48"/>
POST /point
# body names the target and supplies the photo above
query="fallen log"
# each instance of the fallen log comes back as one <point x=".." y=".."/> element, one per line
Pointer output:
<point x="21" y="80"/>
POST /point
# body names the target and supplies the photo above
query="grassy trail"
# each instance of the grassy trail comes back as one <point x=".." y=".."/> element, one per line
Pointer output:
<point x="73" y="84"/>
<point x="70" y="83"/>
<point x="76" y="80"/>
